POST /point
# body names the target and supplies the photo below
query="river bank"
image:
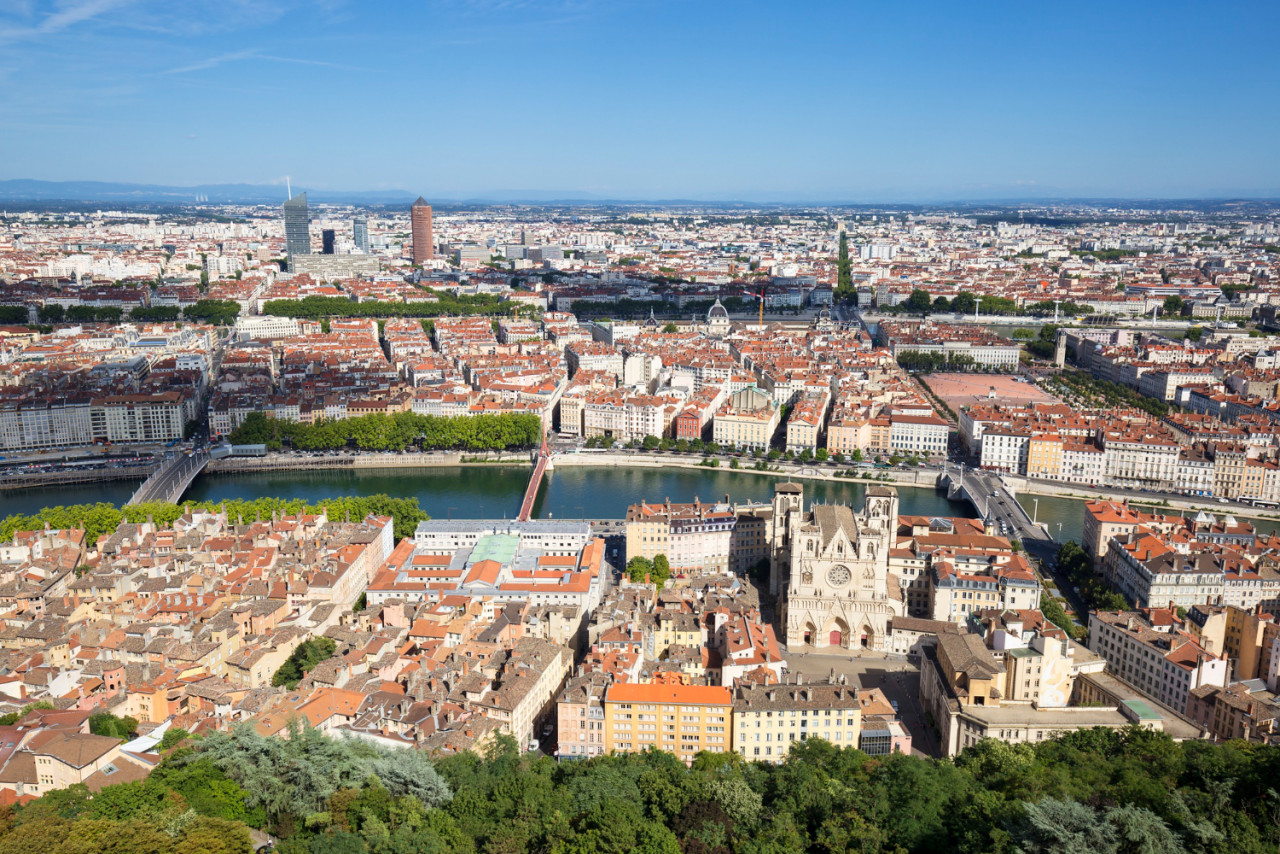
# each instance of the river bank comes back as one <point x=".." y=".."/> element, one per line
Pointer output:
<point x="1165" y="503"/>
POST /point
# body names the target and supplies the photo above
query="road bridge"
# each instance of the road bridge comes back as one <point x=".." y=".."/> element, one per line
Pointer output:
<point x="168" y="482"/>
<point x="993" y="501"/>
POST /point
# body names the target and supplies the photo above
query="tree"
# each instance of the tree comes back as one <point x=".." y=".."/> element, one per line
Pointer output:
<point x="304" y="658"/>
<point x="919" y="302"/>
<point x="844" y="291"/>
<point x="1173" y="304"/>
<point x="942" y="304"/>
<point x="821" y="454"/>
<point x="105" y="723"/>
<point x="964" y="303"/>
<point x="855" y="455"/>
<point x="670" y="328"/>
<point x="661" y="570"/>
<point x="638" y="567"/>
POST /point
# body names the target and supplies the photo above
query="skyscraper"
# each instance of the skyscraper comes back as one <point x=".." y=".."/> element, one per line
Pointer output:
<point x="327" y="239"/>
<point x="360" y="233"/>
<point x="297" y="226"/>
<point x="424" y="248"/>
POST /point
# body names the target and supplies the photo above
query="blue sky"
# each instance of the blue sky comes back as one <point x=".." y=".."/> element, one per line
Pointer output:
<point x="767" y="101"/>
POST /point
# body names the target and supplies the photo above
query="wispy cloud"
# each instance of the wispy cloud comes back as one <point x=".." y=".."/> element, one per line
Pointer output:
<point x="255" y="54"/>
<point x="67" y="14"/>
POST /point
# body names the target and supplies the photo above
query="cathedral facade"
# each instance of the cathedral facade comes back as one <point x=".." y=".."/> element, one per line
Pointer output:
<point x="831" y="569"/>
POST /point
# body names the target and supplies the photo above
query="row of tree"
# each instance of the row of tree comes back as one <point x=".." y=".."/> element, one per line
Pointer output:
<point x="1099" y="791"/>
<point x="103" y="518"/>
<point x="926" y="361"/>
<point x="219" y="312"/>
<point x="395" y="432"/>
<point x="445" y="305"/>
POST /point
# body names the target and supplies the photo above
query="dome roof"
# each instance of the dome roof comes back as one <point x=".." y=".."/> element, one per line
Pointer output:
<point x="717" y="312"/>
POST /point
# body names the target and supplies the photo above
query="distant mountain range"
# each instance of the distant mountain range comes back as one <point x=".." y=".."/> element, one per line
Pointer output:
<point x="28" y="191"/>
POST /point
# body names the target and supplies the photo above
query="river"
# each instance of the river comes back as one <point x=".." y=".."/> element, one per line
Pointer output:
<point x="479" y="491"/>
<point x="602" y="492"/>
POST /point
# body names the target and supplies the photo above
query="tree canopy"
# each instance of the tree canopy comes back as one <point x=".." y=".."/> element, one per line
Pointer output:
<point x="1093" y="792"/>
<point x="103" y="518"/>
<point x="380" y="432"/>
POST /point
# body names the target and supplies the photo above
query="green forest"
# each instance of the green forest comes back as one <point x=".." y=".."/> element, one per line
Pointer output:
<point x="103" y="518"/>
<point x="378" y="432"/>
<point x="1093" y="792"/>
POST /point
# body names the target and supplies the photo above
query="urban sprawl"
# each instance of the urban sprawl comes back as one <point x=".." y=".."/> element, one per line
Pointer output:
<point x="1126" y="357"/>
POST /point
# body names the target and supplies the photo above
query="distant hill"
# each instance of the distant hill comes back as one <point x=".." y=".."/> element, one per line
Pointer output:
<point x="26" y="190"/>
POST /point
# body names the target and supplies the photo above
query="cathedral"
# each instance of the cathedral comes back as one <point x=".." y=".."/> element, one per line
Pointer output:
<point x="830" y="569"/>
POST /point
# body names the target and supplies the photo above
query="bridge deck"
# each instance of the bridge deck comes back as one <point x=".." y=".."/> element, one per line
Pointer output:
<point x="531" y="491"/>
<point x="168" y="482"/>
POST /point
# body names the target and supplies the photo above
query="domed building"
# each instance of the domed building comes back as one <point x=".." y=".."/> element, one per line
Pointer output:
<point x="717" y="320"/>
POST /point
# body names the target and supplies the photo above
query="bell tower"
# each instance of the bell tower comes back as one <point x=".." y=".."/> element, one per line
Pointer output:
<point x="788" y="506"/>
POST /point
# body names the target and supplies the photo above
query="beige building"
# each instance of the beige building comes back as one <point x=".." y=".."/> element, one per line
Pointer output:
<point x="768" y="719"/>
<point x="747" y="420"/>
<point x="963" y="688"/>
<point x="805" y="423"/>
<point x="65" y="758"/>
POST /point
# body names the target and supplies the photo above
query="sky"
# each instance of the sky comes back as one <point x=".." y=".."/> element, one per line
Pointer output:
<point x="790" y="100"/>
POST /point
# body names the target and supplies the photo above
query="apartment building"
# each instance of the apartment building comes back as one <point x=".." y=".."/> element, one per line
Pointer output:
<point x="1245" y="710"/>
<point x="747" y="420"/>
<point x="33" y="425"/>
<point x="679" y="719"/>
<point x="805" y="424"/>
<point x="695" y="537"/>
<point x="140" y="417"/>
<point x="769" y="719"/>
<point x="918" y="435"/>
<point x="580" y="717"/>
<point x="958" y="589"/>
<point x="1149" y="652"/>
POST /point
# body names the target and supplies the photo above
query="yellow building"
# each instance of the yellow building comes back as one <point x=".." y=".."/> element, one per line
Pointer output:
<point x="1044" y="456"/>
<point x="679" y="719"/>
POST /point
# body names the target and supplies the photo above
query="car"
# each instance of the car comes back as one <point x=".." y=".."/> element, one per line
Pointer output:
<point x="534" y="745"/>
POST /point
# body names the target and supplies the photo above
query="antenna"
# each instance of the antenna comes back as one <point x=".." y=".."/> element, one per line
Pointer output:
<point x="288" y="187"/>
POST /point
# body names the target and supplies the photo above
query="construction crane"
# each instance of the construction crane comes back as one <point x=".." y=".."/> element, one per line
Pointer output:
<point x="759" y="295"/>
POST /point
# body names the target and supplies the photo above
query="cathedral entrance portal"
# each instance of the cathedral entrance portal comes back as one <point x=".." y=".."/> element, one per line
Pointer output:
<point x="837" y="637"/>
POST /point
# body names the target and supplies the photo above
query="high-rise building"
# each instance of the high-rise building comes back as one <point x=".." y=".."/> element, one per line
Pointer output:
<point x="360" y="233"/>
<point x="327" y="238"/>
<point x="297" y="226"/>
<point x="424" y="248"/>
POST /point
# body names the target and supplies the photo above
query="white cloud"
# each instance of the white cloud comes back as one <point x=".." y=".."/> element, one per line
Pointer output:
<point x="68" y="14"/>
